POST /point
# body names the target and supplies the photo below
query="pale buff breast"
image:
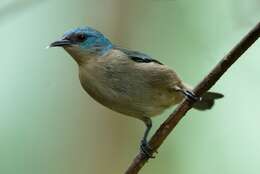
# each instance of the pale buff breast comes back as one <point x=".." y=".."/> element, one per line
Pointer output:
<point x="131" y="88"/>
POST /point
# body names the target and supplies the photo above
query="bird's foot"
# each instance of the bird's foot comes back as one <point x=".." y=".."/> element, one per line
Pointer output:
<point x="191" y="96"/>
<point x="146" y="149"/>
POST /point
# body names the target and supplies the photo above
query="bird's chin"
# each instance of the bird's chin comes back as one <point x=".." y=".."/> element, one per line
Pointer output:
<point x="76" y="53"/>
<point x="72" y="49"/>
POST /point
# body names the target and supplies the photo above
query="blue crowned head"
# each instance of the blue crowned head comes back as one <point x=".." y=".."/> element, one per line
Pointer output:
<point x="85" y="42"/>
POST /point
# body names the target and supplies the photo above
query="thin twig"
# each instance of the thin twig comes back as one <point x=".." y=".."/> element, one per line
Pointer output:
<point x="165" y="129"/>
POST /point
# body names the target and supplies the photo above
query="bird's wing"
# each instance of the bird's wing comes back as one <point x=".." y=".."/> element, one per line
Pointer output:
<point x="138" y="56"/>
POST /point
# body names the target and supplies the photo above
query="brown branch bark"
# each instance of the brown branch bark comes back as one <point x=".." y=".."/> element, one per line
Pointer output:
<point x="165" y="129"/>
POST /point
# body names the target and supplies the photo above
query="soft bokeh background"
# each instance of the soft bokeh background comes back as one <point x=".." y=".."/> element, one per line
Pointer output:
<point x="48" y="124"/>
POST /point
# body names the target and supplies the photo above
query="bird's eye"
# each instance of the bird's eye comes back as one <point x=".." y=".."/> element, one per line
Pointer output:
<point x="81" y="37"/>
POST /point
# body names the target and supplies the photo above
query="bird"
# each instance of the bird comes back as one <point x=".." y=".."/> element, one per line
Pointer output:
<point x="126" y="81"/>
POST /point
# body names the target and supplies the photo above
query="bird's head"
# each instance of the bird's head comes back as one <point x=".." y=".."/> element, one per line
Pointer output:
<point x="82" y="43"/>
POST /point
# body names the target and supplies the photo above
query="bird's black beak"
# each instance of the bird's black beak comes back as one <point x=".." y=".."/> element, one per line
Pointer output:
<point x="61" y="43"/>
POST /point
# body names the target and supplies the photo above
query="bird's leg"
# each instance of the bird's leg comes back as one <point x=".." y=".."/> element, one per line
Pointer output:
<point x="189" y="94"/>
<point x="144" y="147"/>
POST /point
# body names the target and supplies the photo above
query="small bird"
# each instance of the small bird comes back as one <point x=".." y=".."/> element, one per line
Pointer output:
<point x="126" y="81"/>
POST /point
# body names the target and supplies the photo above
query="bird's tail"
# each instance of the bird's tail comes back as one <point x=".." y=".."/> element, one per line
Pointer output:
<point x="207" y="100"/>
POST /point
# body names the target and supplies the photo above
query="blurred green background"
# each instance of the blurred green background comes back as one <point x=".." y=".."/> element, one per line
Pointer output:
<point x="49" y="125"/>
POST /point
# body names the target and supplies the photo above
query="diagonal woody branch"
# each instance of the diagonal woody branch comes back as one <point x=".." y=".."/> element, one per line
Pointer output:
<point x="165" y="129"/>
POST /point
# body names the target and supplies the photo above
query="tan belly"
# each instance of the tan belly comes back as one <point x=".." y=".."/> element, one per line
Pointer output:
<point x="148" y="104"/>
<point x="130" y="88"/>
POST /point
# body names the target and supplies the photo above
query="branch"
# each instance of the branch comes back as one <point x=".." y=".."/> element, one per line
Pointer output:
<point x="165" y="129"/>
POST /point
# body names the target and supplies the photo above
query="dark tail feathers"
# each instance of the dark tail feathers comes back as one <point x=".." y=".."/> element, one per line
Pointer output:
<point x="207" y="100"/>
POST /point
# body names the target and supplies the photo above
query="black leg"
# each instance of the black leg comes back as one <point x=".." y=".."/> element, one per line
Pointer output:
<point x="144" y="147"/>
<point x="189" y="94"/>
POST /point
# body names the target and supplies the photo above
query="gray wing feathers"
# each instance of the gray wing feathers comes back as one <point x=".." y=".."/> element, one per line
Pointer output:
<point x="138" y="56"/>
